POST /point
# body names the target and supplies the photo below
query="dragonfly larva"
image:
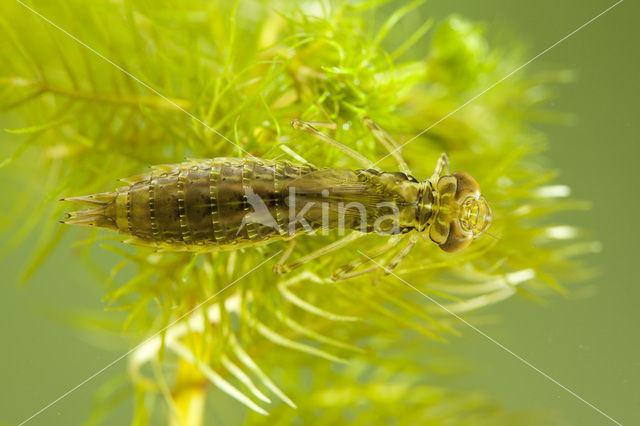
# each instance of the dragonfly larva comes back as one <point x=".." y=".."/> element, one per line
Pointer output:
<point x="231" y="203"/>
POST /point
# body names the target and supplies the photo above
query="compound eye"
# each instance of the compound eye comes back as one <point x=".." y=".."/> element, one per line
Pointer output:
<point x="466" y="186"/>
<point x="457" y="239"/>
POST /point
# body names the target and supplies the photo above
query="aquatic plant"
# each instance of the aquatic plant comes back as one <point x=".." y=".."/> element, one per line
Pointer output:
<point x="358" y="350"/>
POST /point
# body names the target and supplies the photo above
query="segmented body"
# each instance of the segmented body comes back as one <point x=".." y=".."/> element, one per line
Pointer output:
<point x="229" y="203"/>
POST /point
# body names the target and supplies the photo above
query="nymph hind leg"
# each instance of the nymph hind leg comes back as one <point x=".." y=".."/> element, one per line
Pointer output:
<point x="389" y="143"/>
<point x="345" y="271"/>
<point x="282" y="268"/>
<point x="441" y="166"/>
<point x="308" y="127"/>
<point x="337" y="276"/>
<point x="285" y="255"/>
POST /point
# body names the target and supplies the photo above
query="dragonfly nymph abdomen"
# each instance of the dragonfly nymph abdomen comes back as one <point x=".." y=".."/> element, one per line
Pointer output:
<point x="230" y="203"/>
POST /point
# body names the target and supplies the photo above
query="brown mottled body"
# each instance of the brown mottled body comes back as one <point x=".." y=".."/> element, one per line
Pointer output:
<point x="228" y="203"/>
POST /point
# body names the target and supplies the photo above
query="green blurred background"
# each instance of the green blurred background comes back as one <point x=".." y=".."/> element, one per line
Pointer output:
<point x="587" y="341"/>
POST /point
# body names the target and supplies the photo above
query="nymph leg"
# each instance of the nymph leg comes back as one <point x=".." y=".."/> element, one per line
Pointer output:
<point x="389" y="143"/>
<point x="285" y="255"/>
<point x="343" y="272"/>
<point x="401" y="255"/>
<point x="308" y="127"/>
<point x="281" y="268"/>
<point x="441" y="165"/>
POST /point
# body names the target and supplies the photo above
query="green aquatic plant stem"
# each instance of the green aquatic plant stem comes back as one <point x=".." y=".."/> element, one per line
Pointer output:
<point x="189" y="395"/>
<point x="40" y="88"/>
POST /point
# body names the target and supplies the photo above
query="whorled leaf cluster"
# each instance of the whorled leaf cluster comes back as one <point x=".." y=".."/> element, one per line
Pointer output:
<point x="246" y="69"/>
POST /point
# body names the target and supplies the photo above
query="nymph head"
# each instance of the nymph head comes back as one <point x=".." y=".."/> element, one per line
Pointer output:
<point x="462" y="213"/>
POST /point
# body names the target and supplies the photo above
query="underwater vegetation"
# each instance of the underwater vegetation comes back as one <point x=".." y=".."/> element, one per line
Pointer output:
<point x="224" y="79"/>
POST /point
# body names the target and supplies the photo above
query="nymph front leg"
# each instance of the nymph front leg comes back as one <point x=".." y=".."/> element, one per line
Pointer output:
<point x="441" y="165"/>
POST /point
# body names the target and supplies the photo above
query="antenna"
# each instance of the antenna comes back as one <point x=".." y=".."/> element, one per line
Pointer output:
<point x="492" y="236"/>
